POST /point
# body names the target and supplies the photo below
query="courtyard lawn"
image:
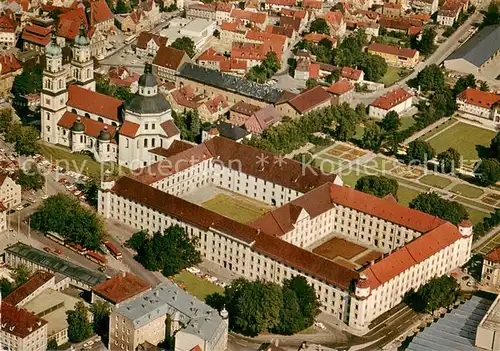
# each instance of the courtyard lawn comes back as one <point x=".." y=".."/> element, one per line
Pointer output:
<point x="467" y="190"/>
<point x="439" y="128"/>
<point x="464" y="138"/>
<point x="476" y="216"/>
<point x="197" y="286"/>
<point x="391" y="76"/>
<point x="236" y="207"/>
<point x="78" y="162"/>
<point x="436" y="181"/>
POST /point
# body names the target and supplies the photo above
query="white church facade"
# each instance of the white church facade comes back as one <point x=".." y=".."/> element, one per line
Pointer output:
<point x="84" y="120"/>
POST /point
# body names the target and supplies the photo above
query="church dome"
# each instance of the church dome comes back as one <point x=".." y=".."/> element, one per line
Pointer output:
<point x="53" y="49"/>
<point x="81" y="39"/>
<point x="104" y="135"/>
<point x="147" y="79"/>
<point x="78" y="126"/>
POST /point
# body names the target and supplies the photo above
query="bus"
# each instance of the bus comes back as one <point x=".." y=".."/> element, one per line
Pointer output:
<point x="95" y="257"/>
<point x="130" y="39"/>
<point x="113" y="250"/>
<point x="55" y="237"/>
<point x="77" y="248"/>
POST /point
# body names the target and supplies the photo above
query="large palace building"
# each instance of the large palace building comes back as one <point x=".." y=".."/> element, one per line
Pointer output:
<point x="266" y="217"/>
<point x="84" y="120"/>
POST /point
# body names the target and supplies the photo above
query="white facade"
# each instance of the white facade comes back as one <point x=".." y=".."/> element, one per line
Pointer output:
<point x="489" y="116"/>
<point x="378" y="112"/>
<point x="10" y="193"/>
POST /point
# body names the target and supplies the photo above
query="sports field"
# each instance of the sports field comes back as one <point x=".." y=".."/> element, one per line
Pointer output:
<point x="236" y="207"/>
<point x="464" y="138"/>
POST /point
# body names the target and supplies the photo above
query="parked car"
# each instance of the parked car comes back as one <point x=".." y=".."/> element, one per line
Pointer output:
<point x="47" y="249"/>
<point x="19" y="208"/>
<point x="58" y="251"/>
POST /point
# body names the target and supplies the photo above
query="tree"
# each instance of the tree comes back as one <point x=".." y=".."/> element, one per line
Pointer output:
<point x="463" y="83"/>
<point x="304" y="158"/>
<point x="488" y="171"/>
<point x="306" y="296"/>
<point x="420" y="150"/>
<point x="319" y="25"/>
<point x="5" y="119"/>
<point x="484" y="86"/>
<point x="186" y="44"/>
<point x="492" y="16"/>
<point x="122" y="92"/>
<point x="333" y="77"/>
<point x="429" y="78"/>
<point x="216" y="300"/>
<point x="271" y="63"/>
<point x="437" y="293"/>
<point x="391" y="122"/>
<point x="345" y="129"/>
<point x="374" y="66"/>
<point x="379" y="186"/>
<point x="6" y="287"/>
<point x="372" y="137"/>
<point x="495" y="146"/>
<point x="65" y="215"/>
<point x="261" y="73"/>
<point x="28" y="82"/>
<point x="291" y="320"/>
<point x="170" y="251"/>
<point x="21" y="274"/>
<point x="449" y="160"/>
<point x="100" y="310"/>
<point x="27" y="141"/>
<point x="52" y="344"/>
<point x="432" y="204"/>
<point x="311" y="82"/>
<point x="426" y="44"/>
<point x="30" y="179"/>
<point x="121" y="7"/>
<point x="194" y="124"/>
<point x="91" y="191"/>
<point x="79" y="326"/>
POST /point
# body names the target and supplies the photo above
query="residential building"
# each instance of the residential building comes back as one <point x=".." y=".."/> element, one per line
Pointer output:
<point x="398" y="100"/>
<point x="315" y="6"/>
<point x="119" y="289"/>
<point x="317" y="37"/>
<point x="481" y="106"/>
<point x="306" y="69"/>
<point x="210" y="109"/>
<point x="370" y="28"/>
<point x="262" y="119"/>
<point x="341" y="91"/>
<point x="167" y="63"/>
<point x="352" y="74"/>
<point x="240" y="112"/>
<point x="35" y="38"/>
<point x="232" y="32"/>
<point x="390" y="9"/>
<point x="9" y="69"/>
<point x="223" y="12"/>
<point x="204" y="11"/>
<point x="425" y="6"/>
<point x="278" y="5"/>
<point x="122" y="76"/>
<point x="35" y="259"/>
<point x="253" y="54"/>
<point x="250" y="18"/>
<point x="167" y="310"/>
<point x="21" y="330"/>
<point x="410" y="246"/>
<point x="148" y="44"/>
<point x="476" y="53"/>
<point x="10" y="192"/>
<point x="234" y="89"/>
<point x="394" y="55"/>
<point x="226" y="130"/>
<point x="144" y="17"/>
<point x="311" y="99"/>
<point x="39" y="282"/>
<point x="490" y="274"/>
<point x="213" y="60"/>
<point x="400" y="24"/>
<point x="335" y="20"/>
<point x="448" y="14"/>
<point x="8" y="29"/>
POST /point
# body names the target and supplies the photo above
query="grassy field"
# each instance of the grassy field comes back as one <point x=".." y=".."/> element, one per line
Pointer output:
<point x="464" y="138"/>
<point x="476" y="216"/>
<point x="406" y="122"/>
<point x="434" y="180"/>
<point x="238" y="208"/>
<point x="439" y="128"/>
<point x="381" y="163"/>
<point x="197" y="286"/>
<point x="391" y="76"/>
<point x="405" y="195"/>
<point x="78" y="162"/>
<point x="467" y="191"/>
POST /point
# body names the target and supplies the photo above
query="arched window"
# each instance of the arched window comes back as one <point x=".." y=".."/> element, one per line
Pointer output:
<point x="73" y="111"/>
<point x="87" y="115"/>
<point x="64" y="131"/>
<point x="146" y="142"/>
<point x="138" y="145"/>
<point x="48" y="116"/>
<point x="114" y="124"/>
<point x="48" y="128"/>
<point x="126" y="143"/>
<point x="91" y="143"/>
<point x="108" y="147"/>
<point x="153" y="142"/>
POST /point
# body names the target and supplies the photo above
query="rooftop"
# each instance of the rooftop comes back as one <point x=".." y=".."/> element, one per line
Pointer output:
<point x="479" y="98"/>
<point x="18" y="321"/>
<point x="102" y="105"/>
<point x="480" y="47"/>
<point x="491" y="320"/>
<point x="310" y="98"/>
<point x="196" y="317"/>
<point x="56" y="264"/>
<point x="231" y="83"/>
<point x="391" y="99"/>
<point x="25" y="290"/>
<point x="392" y="50"/>
<point x="121" y="287"/>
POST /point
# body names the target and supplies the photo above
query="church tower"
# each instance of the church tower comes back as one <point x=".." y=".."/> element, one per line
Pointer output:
<point x="54" y="93"/>
<point x="82" y="65"/>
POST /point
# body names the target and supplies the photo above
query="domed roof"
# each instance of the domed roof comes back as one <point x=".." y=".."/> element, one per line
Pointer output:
<point x="53" y="49"/>
<point x="104" y="135"/>
<point x="147" y="104"/>
<point x="81" y="39"/>
<point x="465" y="223"/>
<point x="147" y="79"/>
<point x="78" y="126"/>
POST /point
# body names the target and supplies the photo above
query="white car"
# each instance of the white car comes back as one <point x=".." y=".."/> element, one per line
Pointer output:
<point x="45" y="197"/>
<point x="19" y="208"/>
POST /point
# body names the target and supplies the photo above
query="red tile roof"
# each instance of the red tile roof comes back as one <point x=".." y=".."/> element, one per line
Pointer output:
<point x="334" y="17"/>
<point x="314" y="70"/>
<point x="384" y="209"/>
<point x="286" y="31"/>
<point x="94" y="102"/>
<point x="392" y="50"/>
<point x="92" y="128"/>
<point x="289" y="3"/>
<point x="244" y="108"/>
<point x="309" y="99"/>
<point x="317" y="37"/>
<point x="351" y="73"/>
<point x="170" y="58"/>
<point x="170" y="128"/>
<point x="9" y="63"/>
<point x="145" y="37"/>
<point x="176" y="147"/>
<point x="250" y="51"/>
<point x="121" y="287"/>
<point x="129" y="129"/>
<point x="8" y="23"/>
<point x="293" y="13"/>
<point x="255" y="17"/>
<point x="290" y="22"/>
<point x="312" y="4"/>
<point x="18" y="321"/>
<point x="340" y="87"/>
<point x="25" y="290"/>
<point x="69" y="23"/>
<point x="391" y="99"/>
<point x="100" y="12"/>
<point x="401" y="23"/>
<point x="494" y="255"/>
<point x="37" y="35"/>
<point x="479" y="98"/>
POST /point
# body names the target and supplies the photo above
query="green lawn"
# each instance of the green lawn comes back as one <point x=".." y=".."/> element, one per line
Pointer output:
<point x="352" y="177"/>
<point x="434" y="180"/>
<point x="467" y="190"/>
<point x="391" y="76"/>
<point x="476" y="216"/>
<point x="360" y="131"/>
<point x="406" y="122"/>
<point x="464" y="138"/>
<point x="439" y="128"/>
<point x="197" y="286"/>
<point x="405" y="195"/>
<point x="238" y="208"/>
<point x="318" y="148"/>
<point x="78" y="162"/>
<point x="326" y="165"/>
<point x="381" y="163"/>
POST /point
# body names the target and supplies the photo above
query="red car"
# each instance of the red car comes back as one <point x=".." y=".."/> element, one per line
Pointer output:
<point x="46" y="249"/>
<point x="58" y="251"/>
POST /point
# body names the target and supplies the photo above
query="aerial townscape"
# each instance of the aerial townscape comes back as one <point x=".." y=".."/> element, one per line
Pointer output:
<point x="256" y="175"/>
